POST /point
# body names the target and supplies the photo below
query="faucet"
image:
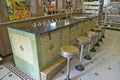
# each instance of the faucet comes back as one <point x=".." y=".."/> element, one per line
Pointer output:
<point x="71" y="12"/>
<point x="66" y="13"/>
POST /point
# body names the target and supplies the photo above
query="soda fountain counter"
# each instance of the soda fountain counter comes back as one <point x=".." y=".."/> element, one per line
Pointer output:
<point x="5" y="47"/>
<point x="36" y="47"/>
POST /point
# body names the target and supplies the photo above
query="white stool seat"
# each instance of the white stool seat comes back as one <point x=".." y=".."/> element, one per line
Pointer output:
<point x="69" y="51"/>
<point x="83" y="40"/>
<point x="91" y="34"/>
<point x="97" y="29"/>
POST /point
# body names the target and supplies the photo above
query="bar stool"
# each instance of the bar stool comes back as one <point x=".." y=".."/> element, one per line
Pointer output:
<point x="82" y="41"/>
<point x="92" y="35"/>
<point x="98" y="30"/>
<point x="103" y="26"/>
<point x="69" y="51"/>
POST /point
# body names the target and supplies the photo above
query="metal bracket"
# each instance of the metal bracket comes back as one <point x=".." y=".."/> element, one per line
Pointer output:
<point x="49" y="34"/>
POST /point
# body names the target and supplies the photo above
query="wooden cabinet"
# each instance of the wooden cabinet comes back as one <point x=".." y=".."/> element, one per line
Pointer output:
<point x="5" y="48"/>
<point x="3" y="16"/>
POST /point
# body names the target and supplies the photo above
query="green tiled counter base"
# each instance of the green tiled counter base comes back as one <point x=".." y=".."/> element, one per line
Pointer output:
<point x="33" y="53"/>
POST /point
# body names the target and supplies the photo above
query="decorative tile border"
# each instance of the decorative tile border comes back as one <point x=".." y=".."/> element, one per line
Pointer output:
<point x="18" y="72"/>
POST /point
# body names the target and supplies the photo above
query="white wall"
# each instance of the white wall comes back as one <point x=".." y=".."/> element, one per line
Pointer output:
<point x="106" y="2"/>
<point x="59" y="5"/>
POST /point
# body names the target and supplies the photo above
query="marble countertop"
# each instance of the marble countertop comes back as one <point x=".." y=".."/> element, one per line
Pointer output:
<point x="47" y="28"/>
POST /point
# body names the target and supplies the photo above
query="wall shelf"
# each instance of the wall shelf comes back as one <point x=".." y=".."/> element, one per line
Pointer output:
<point x="91" y="7"/>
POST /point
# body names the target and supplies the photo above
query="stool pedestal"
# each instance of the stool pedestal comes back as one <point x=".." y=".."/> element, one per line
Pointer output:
<point x="68" y="69"/>
<point x="88" y="57"/>
<point x="80" y="67"/>
<point x="93" y="49"/>
<point x="92" y="35"/>
<point x="68" y="51"/>
<point x="103" y="26"/>
<point x="99" y="36"/>
<point x="82" y="40"/>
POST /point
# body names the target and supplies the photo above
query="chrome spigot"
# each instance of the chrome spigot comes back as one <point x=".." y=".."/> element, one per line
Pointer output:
<point x="71" y="12"/>
<point x="66" y="13"/>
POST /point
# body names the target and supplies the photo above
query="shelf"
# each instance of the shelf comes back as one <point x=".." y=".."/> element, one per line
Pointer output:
<point x="113" y="15"/>
<point x="91" y="7"/>
<point x="91" y="3"/>
<point x="90" y="11"/>
<point x="113" y="23"/>
<point x="113" y="28"/>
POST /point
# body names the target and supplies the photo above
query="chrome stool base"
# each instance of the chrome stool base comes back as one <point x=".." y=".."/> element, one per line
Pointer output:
<point x="93" y="49"/>
<point x="68" y="51"/>
<point x="87" y="57"/>
<point x="82" y="40"/>
<point x="97" y="44"/>
<point x="66" y="79"/>
<point x="103" y="36"/>
<point x="79" y="67"/>
<point x="101" y="39"/>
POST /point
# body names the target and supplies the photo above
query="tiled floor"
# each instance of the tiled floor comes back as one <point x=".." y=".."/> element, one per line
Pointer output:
<point x="6" y="74"/>
<point x="8" y="71"/>
<point x="105" y="63"/>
